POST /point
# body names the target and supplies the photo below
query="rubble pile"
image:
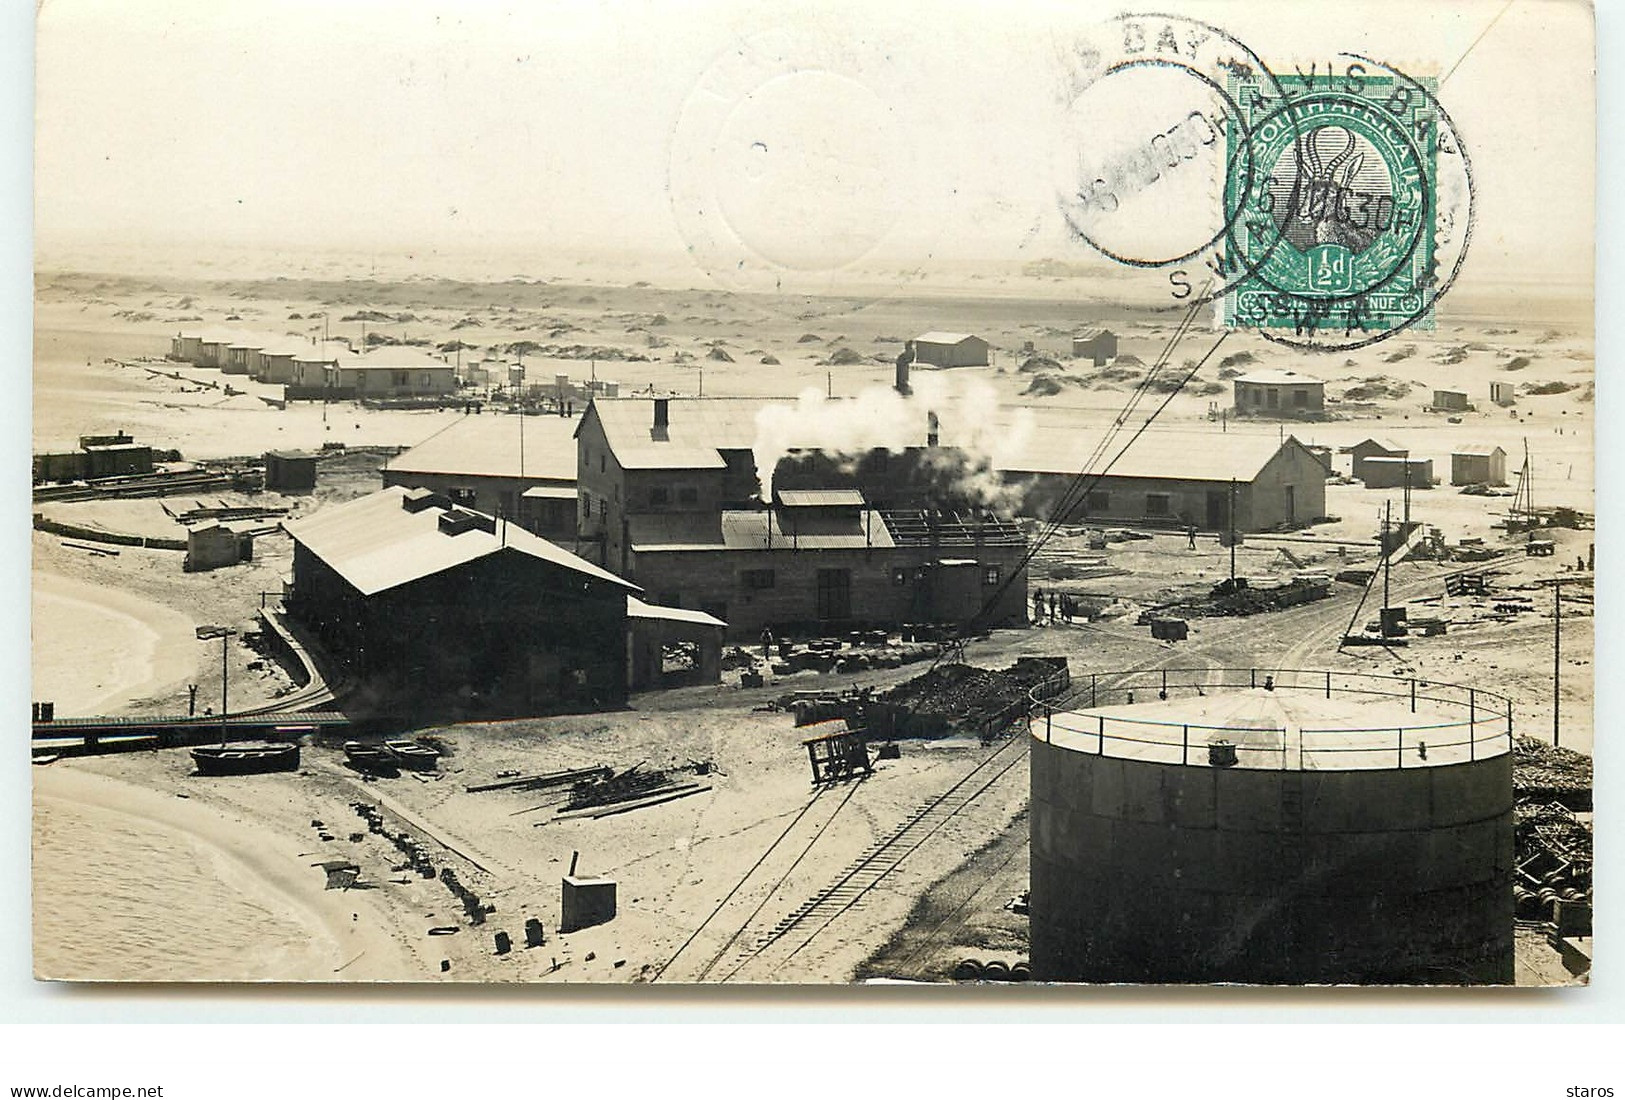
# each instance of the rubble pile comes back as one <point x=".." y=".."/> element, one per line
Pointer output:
<point x="958" y="697"/>
<point x="1543" y="773"/>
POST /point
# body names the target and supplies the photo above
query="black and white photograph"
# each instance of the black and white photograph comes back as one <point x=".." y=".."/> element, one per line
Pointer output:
<point x="743" y="494"/>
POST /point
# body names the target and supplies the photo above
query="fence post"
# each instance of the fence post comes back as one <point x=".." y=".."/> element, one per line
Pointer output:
<point x="1413" y="695"/>
<point x="1048" y="713"/>
<point x="1401" y="748"/>
<point x="1472" y="725"/>
<point x="1165" y="683"/>
<point x="1252" y="677"/>
<point x="1091" y="691"/>
<point x="1185" y="745"/>
<point x="1328" y="684"/>
<point x="1101" y="736"/>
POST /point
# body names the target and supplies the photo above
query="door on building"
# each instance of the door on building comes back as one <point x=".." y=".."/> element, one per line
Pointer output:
<point x="834" y="594"/>
<point x="1291" y="504"/>
<point x="1218" y="510"/>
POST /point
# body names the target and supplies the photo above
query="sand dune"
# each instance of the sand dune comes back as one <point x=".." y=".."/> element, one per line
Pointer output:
<point x="96" y="647"/>
<point x="139" y="885"/>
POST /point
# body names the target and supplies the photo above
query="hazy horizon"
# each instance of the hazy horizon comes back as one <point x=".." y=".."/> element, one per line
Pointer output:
<point x="833" y="147"/>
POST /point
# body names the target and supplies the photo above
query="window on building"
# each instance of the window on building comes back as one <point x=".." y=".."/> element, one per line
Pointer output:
<point x="899" y="575"/>
<point x="991" y="574"/>
<point x="1158" y="504"/>
<point x="400" y="377"/>
<point x="1300" y="399"/>
<point x="603" y="508"/>
<point x="1099" y="501"/>
<point x="757" y="578"/>
<point x="688" y="495"/>
<point x="586" y="507"/>
<point x="426" y="379"/>
<point x="465" y="497"/>
<point x="659" y="497"/>
<point x="1274" y="399"/>
<point x="600" y="463"/>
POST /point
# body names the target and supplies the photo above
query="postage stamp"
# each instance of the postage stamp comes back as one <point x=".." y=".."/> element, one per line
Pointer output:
<point x="1331" y="196"/>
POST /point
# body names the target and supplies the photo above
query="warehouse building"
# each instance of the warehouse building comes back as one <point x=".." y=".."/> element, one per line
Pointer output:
<point x="951" y="349"/>
<point x="417" y="596"/>
<point x="669" y="497"/>
<point x="822" y="561"/>
<point x="1174" y="479"/>
<point x="1478" y="465"/>
<point x="1279" y="393"/>
<point x="1098" y="345"/>
<point x="522" y="468"/>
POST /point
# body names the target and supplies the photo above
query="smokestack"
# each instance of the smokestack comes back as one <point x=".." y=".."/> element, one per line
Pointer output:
<point x="931" y="425"/>
<point x="662" y="422"/>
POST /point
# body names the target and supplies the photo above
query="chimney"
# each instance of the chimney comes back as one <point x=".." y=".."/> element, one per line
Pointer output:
<point x="931" y="425"/>
<point x="662" y="422"/>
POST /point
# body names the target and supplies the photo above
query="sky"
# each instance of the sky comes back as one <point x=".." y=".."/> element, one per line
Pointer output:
<point x="804" y="138"/>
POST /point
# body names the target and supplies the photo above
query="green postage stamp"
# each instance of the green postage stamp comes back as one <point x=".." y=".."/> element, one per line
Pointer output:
<point x="1330" y="199"/>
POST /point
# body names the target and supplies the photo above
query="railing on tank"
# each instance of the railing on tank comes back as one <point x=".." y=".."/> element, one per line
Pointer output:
<point x="1486" y="730"/>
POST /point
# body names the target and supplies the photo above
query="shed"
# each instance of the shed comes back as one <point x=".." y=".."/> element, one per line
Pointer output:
<point x="1373" y="447"/>
<point x="290" y="471"/>
<point x="1478" y="465"/>
<point x="1396" y="473"/>
<point x="215" y="545"/>
<point x="950" y="349"/>
<point x="659" y="638"/>
<point x="1503" y="393"/>
<point x="1098" y="345"/>
<point x="1451" y="401"/>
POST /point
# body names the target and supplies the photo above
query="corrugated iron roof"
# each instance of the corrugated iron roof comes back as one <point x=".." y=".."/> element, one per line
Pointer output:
<point x="1091" y="333"/>
<point x="637" y="609"/>
<point x="1170" y="454"/>
<point x="821" y="498"/>
<point x="376" y="545"/>
<point x="1480" y="450"/>
<point x="697" y="428"/>
<point x="1273" y="375"/>
<point x="332" y="351"/>
<point x="489" y="446"/>
<point x="943" y="337"/>
<point x="397" y="357"/>
<point x="760" y="529"/>
<point x="1386" y="444"/>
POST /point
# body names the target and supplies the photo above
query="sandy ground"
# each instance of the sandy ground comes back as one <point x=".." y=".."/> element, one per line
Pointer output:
<point x="125" y="869"/>
<point x="111" y="860"/>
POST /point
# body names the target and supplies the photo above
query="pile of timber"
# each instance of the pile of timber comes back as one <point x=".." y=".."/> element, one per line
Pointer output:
<point x="629" y="790"/>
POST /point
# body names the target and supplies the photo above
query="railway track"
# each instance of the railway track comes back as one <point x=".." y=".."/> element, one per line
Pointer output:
<point x="883" y="857"/>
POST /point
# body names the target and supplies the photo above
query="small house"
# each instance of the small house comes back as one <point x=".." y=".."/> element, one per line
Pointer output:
<point x="1450" y="401"/>
<point x="1478" y="465"/>
<point x="951" y="349"/>
<point x="1503" y="393"/>
<point x="1279" y="393"/>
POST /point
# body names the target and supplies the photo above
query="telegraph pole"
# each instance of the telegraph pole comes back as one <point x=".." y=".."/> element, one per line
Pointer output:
<point x="1232" y="511"/>
<point x="1557" y="658"/>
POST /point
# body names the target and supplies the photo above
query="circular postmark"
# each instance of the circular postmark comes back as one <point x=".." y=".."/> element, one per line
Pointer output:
<point x="1149" y="143"/>
<point x="793" y="171"/>
<point x="1365" y="214"/>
